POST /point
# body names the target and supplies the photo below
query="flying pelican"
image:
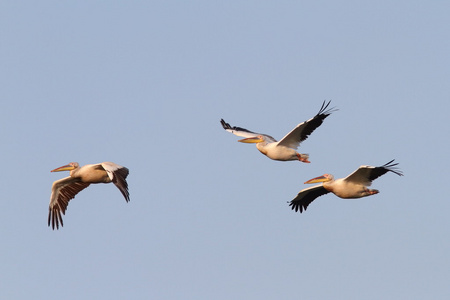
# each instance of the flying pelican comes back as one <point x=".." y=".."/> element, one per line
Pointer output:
<point x="284" y="149"/>
<point x="65" y="189"/>
<point x="351" y="187"/>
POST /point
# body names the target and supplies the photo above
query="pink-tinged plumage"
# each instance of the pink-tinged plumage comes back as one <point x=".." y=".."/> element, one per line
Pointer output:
<point x="351" y="187"/>
<point x="65" y="189"/>
<point x="285" y="149"/>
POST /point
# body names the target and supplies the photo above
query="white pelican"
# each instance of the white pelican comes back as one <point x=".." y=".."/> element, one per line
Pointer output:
<point x="351" y="187"/>
<point x="284" y="149"/>
<point x="65" y="189"/>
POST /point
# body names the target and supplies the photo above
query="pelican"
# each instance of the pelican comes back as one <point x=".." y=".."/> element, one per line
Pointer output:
<point x="285" y="149"/>
<point x="351" y="187"/>
<point x="65" y="189"/>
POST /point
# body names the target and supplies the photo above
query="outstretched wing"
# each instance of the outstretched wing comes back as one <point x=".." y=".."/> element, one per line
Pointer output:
<point x="63" y="191"/>
<point x="366" y="174"/>
<point x="239" y="131"/>
<point x="303" y="130"/>
<point x="118" y="175"/>
<point x="306" y="196"/>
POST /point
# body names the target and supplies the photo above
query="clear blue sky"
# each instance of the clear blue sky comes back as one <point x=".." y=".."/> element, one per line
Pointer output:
<point x="145" y="83"/>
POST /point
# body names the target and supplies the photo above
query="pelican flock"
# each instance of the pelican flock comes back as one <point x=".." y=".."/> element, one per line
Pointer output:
<point x="351" y="187"/>
<point x="285" y="149"/>
<point x="65" y="189"/>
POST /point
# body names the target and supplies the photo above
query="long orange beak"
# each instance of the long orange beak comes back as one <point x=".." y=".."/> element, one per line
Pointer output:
<point x="63" y="168"/>
<point x="251" y="140"/>
<point x="318" y="179"/>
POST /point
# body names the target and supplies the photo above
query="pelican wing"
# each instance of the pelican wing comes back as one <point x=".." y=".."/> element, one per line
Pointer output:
<point x="306" y="196"/>
<point x="303" y="130"/>
<point x="63" y="191"/>
<point x="118" y="175"/>
<point x="239" y="131"/>
<point x="366" y="174"/>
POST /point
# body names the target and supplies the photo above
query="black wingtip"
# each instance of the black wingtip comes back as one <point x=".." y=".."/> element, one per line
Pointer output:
<point x="126" y="195"/>
<point x="324" y="112"/>
<point x="391" y="166"/>
<point x="296" y="207"/>
<point x="225" y="125"/>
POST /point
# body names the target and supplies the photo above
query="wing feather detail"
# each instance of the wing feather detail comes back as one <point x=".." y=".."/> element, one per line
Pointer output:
<point x="366" y="174"/>
<point x="306" y="196"/>
<point x="63" y="191"/>
<point x="118" y="175"/>
<point x="302" y="131"/>
<point x="239" y="131"/>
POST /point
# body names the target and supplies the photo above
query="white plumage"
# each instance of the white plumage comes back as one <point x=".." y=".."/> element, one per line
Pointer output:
<point x="351" y="187"/>
<point x="285" y="149"/>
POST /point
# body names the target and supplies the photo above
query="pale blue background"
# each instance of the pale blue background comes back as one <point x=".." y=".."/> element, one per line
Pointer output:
<point x="145" y="83"/>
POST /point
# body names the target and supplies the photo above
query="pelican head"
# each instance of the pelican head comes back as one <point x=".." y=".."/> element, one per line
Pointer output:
<point x="255" y="139"/>
<point x="323" y="178"/>
<point x="69" y="167"/>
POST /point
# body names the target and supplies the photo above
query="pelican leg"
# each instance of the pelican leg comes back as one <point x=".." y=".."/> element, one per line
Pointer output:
<point x="369" y="192"/>
<point x="303" y="157"/>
